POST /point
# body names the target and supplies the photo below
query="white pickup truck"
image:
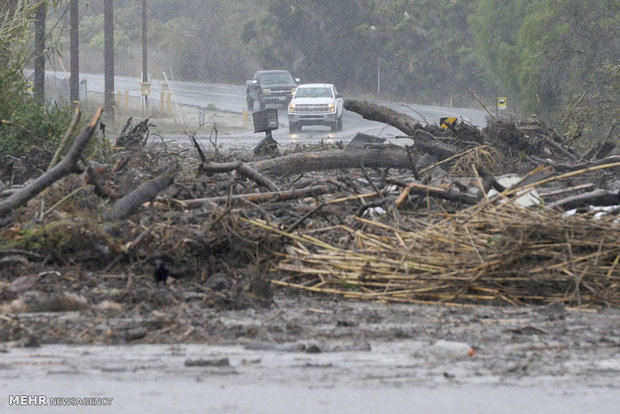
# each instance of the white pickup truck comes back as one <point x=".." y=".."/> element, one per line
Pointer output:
<point x="315" y="104"/>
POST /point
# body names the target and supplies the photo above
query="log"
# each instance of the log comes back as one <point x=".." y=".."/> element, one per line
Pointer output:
<point x="68" y="165"/>
<point x="424" y="140"/>
<point x="560" y="148"/>
<point x="127" y="205"/>
<point x="393" y="157"/>
<point x="374" y="112"/>
<point x="593" y="198"/>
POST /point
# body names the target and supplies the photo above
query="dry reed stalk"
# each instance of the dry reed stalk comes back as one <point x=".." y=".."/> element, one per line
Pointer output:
<point x="502" y="253"/>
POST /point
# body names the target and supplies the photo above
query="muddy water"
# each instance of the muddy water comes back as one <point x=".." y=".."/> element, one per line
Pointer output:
<point x="154" y="378"/>
<point x="309" y="356"/>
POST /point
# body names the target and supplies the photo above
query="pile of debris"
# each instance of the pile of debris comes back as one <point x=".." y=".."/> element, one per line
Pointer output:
<point x="505" y="215"/>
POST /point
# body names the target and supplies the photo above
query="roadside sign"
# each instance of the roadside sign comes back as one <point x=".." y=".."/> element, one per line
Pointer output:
<point x="146" y="88"/>
<point x="446" y="122"/>
<point x="265" y="120"/>
<point x="501" y="102"/>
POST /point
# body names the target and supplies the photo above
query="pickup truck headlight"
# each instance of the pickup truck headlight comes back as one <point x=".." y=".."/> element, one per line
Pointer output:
<point x="292" y="107"/>
<point x="332" y="107"/>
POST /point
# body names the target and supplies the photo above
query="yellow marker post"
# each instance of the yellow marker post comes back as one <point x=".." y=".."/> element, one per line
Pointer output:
<point x="126" y="99"/>
<point x="245" y="118"/>
<point x="448" y="121"/>
<point x="502" y="102"/>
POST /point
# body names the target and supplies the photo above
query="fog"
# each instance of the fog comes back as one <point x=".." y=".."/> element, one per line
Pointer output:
<point x="423" y="51"/>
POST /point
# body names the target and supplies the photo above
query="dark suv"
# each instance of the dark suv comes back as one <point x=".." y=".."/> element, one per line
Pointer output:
<point x="270" y="87"/>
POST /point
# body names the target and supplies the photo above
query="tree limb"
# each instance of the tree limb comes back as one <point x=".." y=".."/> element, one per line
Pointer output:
<point x="65" y="140"/>
<point x="127" y="205"/>
<point x="241" y="168"/>
<point x="279" y="195"/>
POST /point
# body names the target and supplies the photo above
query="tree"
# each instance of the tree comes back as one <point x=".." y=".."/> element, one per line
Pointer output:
<point x="39" y="47"/>
<point x="495" y="27"/>
<point x="315" y="40"/>
<point x="209" y="47"/>
<point x="74" y="50"/>
<point x="543" y="52"/>
<point x="145" y="73"/>
<point x="108" y="28"/>
<point x="562" y="45"/>
<point x="26" y="121"/>
<point x="423" y="46"/>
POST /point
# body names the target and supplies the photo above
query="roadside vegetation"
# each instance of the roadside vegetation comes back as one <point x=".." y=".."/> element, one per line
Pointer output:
<point x="25" y="121"/>
<point x="558" y="59"/>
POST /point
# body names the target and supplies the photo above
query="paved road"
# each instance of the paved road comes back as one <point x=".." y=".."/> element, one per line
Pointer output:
<point x="232" y="98"/>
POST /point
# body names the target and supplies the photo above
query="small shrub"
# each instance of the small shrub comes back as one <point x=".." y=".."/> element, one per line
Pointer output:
<point x="25" y="122"/>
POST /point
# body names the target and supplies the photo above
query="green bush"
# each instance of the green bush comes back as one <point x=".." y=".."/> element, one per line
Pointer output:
<point x="24" y="121"/>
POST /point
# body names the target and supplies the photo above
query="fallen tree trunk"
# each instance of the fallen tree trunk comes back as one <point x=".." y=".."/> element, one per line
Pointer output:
<point x="127" y="205"/>
<point x="394" y="157"/>
<point x="67" y="166"/>
<point x="424" y="140"/>
<point x="374" y="112"/>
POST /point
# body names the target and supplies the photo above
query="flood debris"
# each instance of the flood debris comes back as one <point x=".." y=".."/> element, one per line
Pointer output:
<point x="482" y="220"/>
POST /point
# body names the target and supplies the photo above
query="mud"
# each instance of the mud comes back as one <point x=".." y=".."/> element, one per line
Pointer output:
<point x="225" y="341"/>
<point x="311" y="354"/>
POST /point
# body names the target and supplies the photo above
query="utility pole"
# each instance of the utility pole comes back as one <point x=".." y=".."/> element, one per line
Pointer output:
<point x="379" y="76"/>
<point x="108" y="58"/>
<point x="74" y="48"/>
<point x="39" y="47"/>
<point x="145" y="73"/>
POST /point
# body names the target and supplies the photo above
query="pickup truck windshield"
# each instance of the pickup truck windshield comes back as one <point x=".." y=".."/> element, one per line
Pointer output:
<point x="314" y="93"/>
<point x="276" y="78"/>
